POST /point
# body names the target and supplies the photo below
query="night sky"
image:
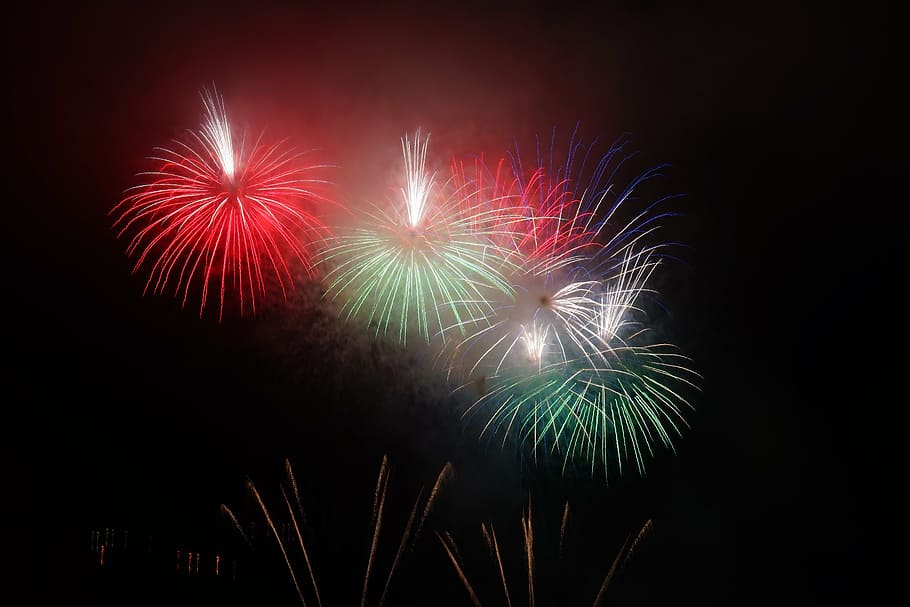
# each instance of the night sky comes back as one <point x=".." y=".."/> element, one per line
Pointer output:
<point x="124" y="411"/>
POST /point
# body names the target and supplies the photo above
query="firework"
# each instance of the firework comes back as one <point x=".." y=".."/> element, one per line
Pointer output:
<point x="421" y="264"/>
<point x="220" y="213"/>
<point x="619" y="410"/>
<point x="564" y="363"/>
<point x="562" y="246"/>
<point x="531" y="561"/>
<point x="287" y="526"/>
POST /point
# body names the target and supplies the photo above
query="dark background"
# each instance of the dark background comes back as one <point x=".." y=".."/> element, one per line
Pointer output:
<point x="123" y="412"/>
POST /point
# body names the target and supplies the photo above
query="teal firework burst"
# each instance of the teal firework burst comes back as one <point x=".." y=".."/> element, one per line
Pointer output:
<point x="618" y="411"/>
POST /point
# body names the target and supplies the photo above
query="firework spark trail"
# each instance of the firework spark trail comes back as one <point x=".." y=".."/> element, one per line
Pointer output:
<point x="378" y="514"/>
<point x="488" y="533"/>
<point x="306" y="554"/>
<point x="645" y="529"/>
<point x="528" y="532"/>
<point x="493" y="545"/>
<point x="621" y="558"/>
<point x="401" y="546"/>
<point x="562" y="529"/>
<point x="284" y="553"/>
<point x="609" y="577"/>
<point x="422" y="266"/>
<point x="382" y="485"/>
<point x="383" y="473"/>
<point x="289" y="471"/>
<point x="451" y="550"/>
<point x="444" y="475"/>
<point x="216" y="212"/>
<point x="227" y="511"/>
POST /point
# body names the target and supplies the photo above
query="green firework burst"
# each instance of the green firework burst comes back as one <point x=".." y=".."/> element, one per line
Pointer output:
<point x="419" y="265"/>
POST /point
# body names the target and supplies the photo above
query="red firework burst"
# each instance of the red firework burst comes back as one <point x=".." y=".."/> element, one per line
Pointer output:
<point x="216" y="213"/>
<point x="539" y="219"/>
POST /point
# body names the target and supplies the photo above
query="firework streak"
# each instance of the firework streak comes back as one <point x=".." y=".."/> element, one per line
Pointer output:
<point x="217" y="213"/>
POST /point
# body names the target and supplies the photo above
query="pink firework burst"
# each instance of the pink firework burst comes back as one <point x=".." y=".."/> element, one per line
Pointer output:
<point x="216" y="213"/>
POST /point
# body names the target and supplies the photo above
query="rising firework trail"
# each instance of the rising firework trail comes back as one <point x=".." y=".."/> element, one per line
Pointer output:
<point x="294" y="546"/>
<point x="530" y="564"/>
<point x="220" y="213"/>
